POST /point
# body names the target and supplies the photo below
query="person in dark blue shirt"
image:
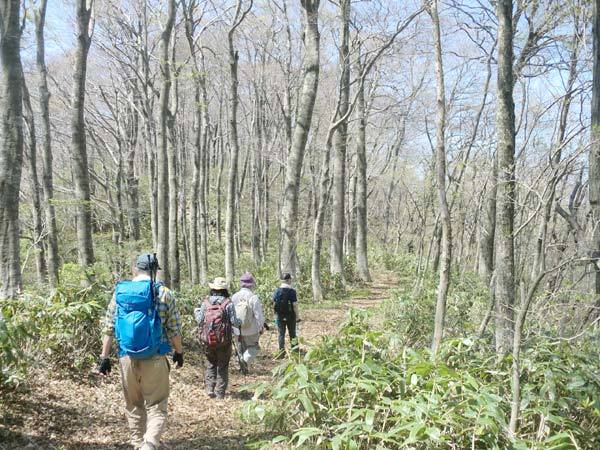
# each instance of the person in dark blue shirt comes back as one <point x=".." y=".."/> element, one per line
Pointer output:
<point x="285" y="306"/>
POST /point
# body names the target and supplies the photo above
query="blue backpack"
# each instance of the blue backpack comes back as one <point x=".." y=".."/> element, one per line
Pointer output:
<point x="138" y="327"/>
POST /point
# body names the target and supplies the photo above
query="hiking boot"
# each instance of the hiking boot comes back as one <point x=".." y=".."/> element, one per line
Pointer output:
<point x="210" y="394"/>
<point x="148" y="446"/>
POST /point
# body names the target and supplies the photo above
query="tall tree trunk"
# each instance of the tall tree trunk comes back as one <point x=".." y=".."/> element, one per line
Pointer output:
<point x="174" y="185"/>
<point x="310" y="82"/>
<point x="182" y="177"/>
<point x="79" y="158"/>
<point x="256" y="179"/>
<point x="351" y="212"/>
<point x="488" y="226"/>
<point x="234" y="149"/>
<point x="174" y="270"/>
<point x="47" y="181"/>
<point x="319" y="221"/>
<point x="219" y="182"/>
<point x="131" y="180"/>
<point x="120" y="188"/>
<point x="40" y="259"/>
<point x="287" y="108"/>
<point x="440" y="153"/>
<point x="203" y="192"/>
<point x="11" y="147"/>
<point x="338" y="216"/>
<point x="239" y="198"/>
<point x="149" y="128"/>
<point x="163" y="147"/>
<point x="196" y="159"/>
<point x="595" y="147"/>
<point x="150" y="153"/>
<point x="362" y="261"/>
<point x="265" y="207"/>
<point x="505" y="127"/>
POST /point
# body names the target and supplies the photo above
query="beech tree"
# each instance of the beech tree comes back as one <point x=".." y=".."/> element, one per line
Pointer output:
<point x="338" y="212"/>
<point x="11" y="146"/>
<point x="505" y="209"/>
<point x="198" y="209"/>
<point x="310" y="82"/>
<point x="440" y="160"/>
<point x="162" y="161"/>
<point x="85" y="26"/>
<point x="595" y="149"/>
<point x="40" y="258"/>
<point x="362" y="260"/>
<point x="232" y="180"/>
<point x="47" y="177"/>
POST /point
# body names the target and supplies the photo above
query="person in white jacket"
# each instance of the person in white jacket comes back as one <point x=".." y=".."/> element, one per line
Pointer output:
<point x="249" y="311"/>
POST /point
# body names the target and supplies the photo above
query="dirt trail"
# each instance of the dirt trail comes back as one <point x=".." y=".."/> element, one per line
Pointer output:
<point x="87" y="413"/>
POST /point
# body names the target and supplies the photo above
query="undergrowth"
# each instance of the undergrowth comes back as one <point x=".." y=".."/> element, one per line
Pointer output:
<point x="59" y="331"/>
<point x="364" y="389"/>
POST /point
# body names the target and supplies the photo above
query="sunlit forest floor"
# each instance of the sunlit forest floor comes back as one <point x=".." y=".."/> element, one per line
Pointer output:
<point x="88" y="412"/>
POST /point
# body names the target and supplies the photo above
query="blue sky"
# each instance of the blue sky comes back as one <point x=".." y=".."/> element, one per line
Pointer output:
<point x="59" y="31"/>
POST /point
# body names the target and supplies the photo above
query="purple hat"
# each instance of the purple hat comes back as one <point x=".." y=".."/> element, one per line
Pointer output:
<point x="247" y="280"/>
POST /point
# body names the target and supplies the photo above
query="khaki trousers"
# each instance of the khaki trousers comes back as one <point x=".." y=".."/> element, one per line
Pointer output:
<point x="146" y="390"/>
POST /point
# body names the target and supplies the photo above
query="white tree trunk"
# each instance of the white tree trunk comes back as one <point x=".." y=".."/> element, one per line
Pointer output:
<point x="310" y="82"/>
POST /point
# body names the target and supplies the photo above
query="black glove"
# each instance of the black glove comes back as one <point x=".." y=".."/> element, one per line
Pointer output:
<point x="104" y="366"/>
<point x="266" y="327"/>
<point x="178" y="359"/>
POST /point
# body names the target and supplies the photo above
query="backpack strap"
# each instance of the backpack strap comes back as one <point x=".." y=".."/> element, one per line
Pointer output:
<point x="155" y="286"/>
<point x="225" y="304"/>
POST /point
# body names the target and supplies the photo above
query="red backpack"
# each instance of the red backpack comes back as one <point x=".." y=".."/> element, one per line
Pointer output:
<point x="216" y="330"/>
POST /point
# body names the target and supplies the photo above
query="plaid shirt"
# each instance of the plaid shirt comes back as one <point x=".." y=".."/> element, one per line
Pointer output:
<point x="167" y="311"/>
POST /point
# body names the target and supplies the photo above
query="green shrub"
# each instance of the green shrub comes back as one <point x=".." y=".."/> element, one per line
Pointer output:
<point x="404" y="265"/>
<point x="363" y="389"/>
<point x="60" y="330"/>
<point x="411" y="313"/>
<point x="188" y="298"/>
<point x="350" y="272"/>
<point x="13" y="333"/>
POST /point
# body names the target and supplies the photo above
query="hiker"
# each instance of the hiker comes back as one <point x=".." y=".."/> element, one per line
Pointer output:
<point x="144" y="319"/>
<point x="285" y="306"/>
<point x="216" y="319"/>
<point x="249" y="311"/>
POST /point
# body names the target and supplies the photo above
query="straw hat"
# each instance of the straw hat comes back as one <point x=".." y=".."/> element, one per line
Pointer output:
<point x="218" y="284"/>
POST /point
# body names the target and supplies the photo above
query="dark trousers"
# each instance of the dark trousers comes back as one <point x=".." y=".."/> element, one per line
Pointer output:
<point x="290" y="324"/>
<point x="216" y="375"/>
